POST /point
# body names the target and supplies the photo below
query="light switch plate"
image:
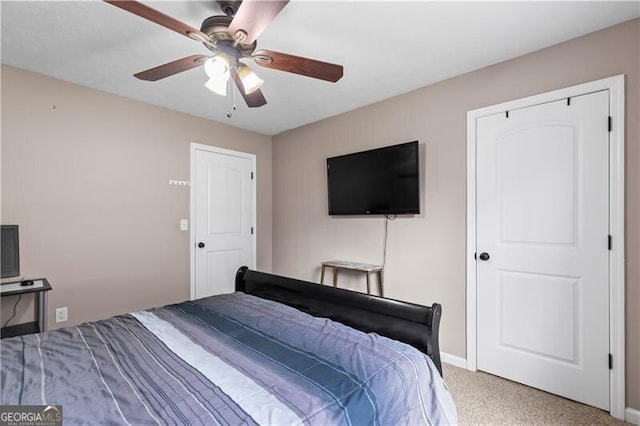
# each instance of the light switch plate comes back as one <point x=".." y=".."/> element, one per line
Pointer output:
<point x="184" y="225"/>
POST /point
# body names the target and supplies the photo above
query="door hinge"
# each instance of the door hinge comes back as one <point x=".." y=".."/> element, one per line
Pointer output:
<point x="252" y="230"/>
<point x="610" y="123"/>
<point x="475" y="256"/>
<point x="610" y="362"/>
<point x="610" y="242"/>
<point x="251" y="175"/>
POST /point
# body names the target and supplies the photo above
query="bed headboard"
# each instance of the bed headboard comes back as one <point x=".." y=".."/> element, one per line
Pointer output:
<point x="410" y="323"/>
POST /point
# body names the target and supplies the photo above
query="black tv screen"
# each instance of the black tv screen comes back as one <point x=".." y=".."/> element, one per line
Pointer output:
<point x="9" y="251"/>
<point x="380" y="181"/>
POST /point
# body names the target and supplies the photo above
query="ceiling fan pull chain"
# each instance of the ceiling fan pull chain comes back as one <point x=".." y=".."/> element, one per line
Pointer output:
<point x="233" y="93"/>
<point x="229" y="100"/>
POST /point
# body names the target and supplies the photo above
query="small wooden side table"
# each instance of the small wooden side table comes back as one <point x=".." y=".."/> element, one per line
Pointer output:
<point x="336" y="265"/>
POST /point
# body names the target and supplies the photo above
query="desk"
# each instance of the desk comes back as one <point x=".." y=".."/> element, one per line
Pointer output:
<point x="41" y="286"/>
<point x="366" y="268"/>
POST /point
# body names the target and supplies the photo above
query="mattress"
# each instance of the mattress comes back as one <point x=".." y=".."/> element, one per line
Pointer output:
<point x="229" y="360"/>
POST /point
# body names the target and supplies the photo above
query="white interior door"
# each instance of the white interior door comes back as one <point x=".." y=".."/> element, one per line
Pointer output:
<point x="223" y="224"/>
<point x="542" y="242"/>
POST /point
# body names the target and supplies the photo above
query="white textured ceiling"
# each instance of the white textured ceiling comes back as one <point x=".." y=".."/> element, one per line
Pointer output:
<point x="387" y="48"/>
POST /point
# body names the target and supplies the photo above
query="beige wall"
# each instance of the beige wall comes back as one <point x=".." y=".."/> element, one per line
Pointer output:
<point x="85" y="175"/>
<point x="426" y="254"/>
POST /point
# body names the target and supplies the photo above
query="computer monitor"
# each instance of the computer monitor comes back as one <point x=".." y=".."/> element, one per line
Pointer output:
<point x="9" y="251"/>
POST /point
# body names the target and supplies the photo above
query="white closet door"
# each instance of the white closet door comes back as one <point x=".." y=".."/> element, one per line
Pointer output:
<point x="542" y="243"/>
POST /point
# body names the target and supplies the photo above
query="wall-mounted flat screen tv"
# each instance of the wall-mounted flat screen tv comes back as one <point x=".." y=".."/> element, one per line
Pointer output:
<point x="381" y="181"/>
<point x="10" y="251"/>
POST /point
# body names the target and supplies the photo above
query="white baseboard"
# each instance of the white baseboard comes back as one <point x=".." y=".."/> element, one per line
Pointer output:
<point x="456" y="361"/>
<point x="632" y="416"/>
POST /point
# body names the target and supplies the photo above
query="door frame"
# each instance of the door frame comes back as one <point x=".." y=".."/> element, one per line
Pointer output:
<point x="615" y="85"/>
<point x="192" y="211"/>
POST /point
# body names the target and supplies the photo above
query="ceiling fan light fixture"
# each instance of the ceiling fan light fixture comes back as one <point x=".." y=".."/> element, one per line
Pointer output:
<point x="217" y="69"/>
<point x="217" y="86"/>
<point x="250" y="80"/>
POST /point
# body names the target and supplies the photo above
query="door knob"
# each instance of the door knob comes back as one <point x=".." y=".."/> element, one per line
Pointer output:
<point x="484" y="256"/>
<point x="201" y="244"/>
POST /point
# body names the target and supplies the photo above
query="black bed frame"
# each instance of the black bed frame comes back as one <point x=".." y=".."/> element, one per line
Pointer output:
<point x="413" y="324"/>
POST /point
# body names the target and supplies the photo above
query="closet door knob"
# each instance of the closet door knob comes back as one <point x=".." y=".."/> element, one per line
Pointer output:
<point x="201" y="244"/>
<point x="484" y="256"/>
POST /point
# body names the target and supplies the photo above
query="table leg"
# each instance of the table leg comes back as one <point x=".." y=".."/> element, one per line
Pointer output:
<point x="335" y="277"/>
<point x="380" y="283"/>
<point x="322" y="275"/>
<point x="42" y="311"/>
<point x="368" y="284"/>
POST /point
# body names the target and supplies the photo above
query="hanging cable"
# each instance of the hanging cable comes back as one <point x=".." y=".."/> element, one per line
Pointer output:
<point x="386" y="233"/>
<point x="14" y="311"/>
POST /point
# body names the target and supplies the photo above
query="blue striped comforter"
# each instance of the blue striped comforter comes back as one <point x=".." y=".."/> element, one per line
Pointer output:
<point x="229" y="359"/>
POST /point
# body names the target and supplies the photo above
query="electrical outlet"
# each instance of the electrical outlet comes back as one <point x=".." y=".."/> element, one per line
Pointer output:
<point x="61" y="314"/>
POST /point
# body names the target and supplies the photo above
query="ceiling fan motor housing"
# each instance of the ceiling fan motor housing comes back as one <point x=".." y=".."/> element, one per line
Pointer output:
<point x="217" y="28"/>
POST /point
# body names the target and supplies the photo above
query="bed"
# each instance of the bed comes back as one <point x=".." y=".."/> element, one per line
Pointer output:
<point x="278" y="351"/>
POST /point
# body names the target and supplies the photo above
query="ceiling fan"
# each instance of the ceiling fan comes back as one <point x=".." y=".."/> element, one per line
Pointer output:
<point x="231" y="37"/>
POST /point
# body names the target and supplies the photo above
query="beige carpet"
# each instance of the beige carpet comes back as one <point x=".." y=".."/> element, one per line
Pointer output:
<point x="485" y="399"/>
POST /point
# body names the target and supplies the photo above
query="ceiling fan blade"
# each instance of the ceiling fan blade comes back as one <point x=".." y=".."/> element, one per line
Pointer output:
<point x="252" y="18"/>
<point x="298" y="65"/>
<point x="175" y="67"/>
<point x="254" y="99"/>
<point x="160" y="18"/>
